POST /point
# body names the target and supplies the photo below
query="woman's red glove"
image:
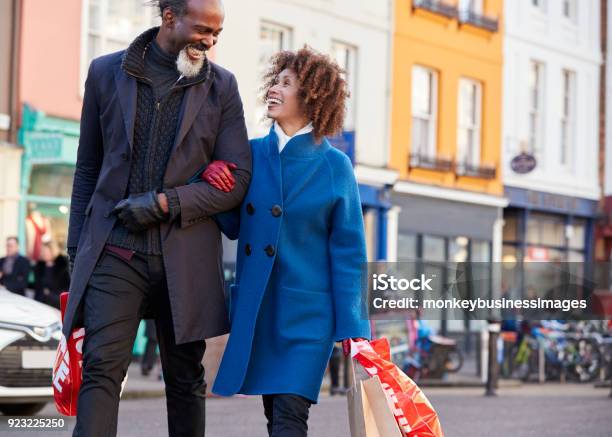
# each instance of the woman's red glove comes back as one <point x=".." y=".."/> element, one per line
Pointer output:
<point x="346" y="345"/>
<point x="219" y="175"/>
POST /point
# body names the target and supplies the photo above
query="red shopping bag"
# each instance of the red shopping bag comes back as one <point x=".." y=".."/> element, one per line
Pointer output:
<point x="67" y="370"/>
<point x="412" y="410"/>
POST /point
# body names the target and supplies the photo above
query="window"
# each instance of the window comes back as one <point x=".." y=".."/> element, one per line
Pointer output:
<point x="481" y="251"/>
<point x="567" y="117"/>
<point x="546" y="230"/>
<point x="111" y="25"/>
<point x="346" y="57"/>
<point x="406" y="247"/>
<point x="570" y="10"/>
<point x="424" y="107"/>
<point x="273" y="38"/>
<point x="577" y="234"/>
<point x="458" y="249"/>
<point x="536" y="74"/>
<point x="475" y="6"/>
<point x="469" y="114"/>
<point x="434" y="248"/>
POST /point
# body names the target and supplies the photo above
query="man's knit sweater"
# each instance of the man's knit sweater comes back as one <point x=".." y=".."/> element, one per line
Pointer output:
<point x="159" y="97"/>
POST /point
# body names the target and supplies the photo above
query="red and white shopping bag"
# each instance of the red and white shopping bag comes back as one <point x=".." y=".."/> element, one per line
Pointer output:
<point x="68" y="368"/>
<point x="414" y="414"/>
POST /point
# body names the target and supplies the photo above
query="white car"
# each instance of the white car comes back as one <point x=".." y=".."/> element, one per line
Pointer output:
<point x="29" y="335"/>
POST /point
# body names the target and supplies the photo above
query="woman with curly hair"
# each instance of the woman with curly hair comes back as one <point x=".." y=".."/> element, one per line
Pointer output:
<point x="301" y="246"/>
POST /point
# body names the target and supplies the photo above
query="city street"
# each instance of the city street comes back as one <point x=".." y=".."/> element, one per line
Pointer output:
<point x="530" y="410"/>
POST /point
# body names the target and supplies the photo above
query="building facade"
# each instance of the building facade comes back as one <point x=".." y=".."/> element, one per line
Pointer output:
<point x="551" y="131"/>
<point x="604" y="240"/>
<point x="446" y="121"/>
<point x="10" y="152"/>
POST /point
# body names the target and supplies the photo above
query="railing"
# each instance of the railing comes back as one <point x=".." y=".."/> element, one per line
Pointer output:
<point x="437" y="7"/>
<point x="430" y="162"/>
<point x="477" y="171"/>
<point x="468" y="16"/>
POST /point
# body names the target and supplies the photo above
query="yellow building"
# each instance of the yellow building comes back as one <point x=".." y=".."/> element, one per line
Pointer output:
<point x="446" y="129"/>
<point x="460" y="61"/>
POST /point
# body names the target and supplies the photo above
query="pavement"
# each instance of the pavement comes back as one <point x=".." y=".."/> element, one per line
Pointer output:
<point x="557" y="410"/>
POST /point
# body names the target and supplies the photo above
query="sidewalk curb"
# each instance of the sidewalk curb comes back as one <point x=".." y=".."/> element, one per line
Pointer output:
<point x="158" y="393"/>
<point x="466" y="384"/>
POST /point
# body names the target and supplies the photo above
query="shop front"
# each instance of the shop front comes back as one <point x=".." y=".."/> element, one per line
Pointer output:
<point x="47" y="170"/>
<point x="443" y="227"/>
<point x="546" y="227"/>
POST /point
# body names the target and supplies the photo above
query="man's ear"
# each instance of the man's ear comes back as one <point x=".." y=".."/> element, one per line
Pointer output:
<point x="168" y="18"/>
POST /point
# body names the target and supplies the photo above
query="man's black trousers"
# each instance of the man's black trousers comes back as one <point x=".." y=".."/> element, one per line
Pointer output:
<point x="121" y="290"/>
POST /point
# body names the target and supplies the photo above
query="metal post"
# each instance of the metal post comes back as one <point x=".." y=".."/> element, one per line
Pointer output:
<point x="493" y="366"/>
<point x="541" y="363"/>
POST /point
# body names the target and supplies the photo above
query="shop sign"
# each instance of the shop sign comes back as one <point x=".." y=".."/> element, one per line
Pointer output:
<point x="523" y="163"/>
<point x="50" y="148"/>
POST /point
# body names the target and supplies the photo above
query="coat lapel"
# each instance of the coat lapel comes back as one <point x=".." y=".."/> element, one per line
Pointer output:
<point x="195" y="96"/>
<point x="126" y="90"/>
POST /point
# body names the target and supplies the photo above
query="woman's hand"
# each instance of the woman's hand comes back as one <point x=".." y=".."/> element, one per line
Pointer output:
<point x="346" y="345"/>
<point x="219" y="175"/>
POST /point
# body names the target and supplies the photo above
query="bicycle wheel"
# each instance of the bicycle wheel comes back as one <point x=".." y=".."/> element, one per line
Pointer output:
<point x="454" y="361"/>
<point x="586" y="360"/>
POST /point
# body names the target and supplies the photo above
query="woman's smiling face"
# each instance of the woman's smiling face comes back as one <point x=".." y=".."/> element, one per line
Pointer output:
<point x="283" y="100"/>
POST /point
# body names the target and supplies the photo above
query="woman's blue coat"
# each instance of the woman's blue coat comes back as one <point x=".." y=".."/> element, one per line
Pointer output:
<point x="301" y="250"/>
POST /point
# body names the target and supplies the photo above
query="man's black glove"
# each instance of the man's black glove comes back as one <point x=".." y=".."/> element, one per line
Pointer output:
<point x="140" y="211"/>
<point x="71" y="257"/>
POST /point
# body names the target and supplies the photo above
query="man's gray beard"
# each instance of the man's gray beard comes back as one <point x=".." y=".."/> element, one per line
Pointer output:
<point x="186" y="66"/>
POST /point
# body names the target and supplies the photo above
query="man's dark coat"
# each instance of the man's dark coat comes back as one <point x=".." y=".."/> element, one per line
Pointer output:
<point x="211" y="127"/>
<point x="17" y="281"/>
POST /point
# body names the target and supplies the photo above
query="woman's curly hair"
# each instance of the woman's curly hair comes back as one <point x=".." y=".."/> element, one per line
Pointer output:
<point x="322" y="87"/>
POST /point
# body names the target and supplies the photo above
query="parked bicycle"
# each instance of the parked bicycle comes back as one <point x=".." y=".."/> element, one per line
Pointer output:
<point x="433" y="356"/>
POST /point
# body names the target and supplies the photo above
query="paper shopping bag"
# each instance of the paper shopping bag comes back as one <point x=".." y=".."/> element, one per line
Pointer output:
<point x="414" y="414"/>
<point x="370" y="413"/>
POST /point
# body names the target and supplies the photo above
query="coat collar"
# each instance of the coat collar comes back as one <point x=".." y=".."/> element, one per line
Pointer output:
<point x="133" y="61"/>
<point x="299" y="146"/>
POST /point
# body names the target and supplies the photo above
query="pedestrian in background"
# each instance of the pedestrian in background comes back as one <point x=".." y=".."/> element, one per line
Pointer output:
<point x="14" y="268"/>
<point x="51" y="277"/>
<point x="301" y="246"/>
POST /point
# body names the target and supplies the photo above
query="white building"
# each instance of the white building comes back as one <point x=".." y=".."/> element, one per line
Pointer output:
<point x="552" y="59"/>
<point x="357" y="33"/>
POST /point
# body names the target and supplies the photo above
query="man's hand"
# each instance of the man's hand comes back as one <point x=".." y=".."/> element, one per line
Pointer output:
<point x="140" y="211"/>
<point x="346" y="345"/>
<point x="219" y="175"/>
<point x="163" y="202"/>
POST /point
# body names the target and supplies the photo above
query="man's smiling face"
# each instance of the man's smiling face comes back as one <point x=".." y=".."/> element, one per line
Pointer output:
<point x="194" y="33"/>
